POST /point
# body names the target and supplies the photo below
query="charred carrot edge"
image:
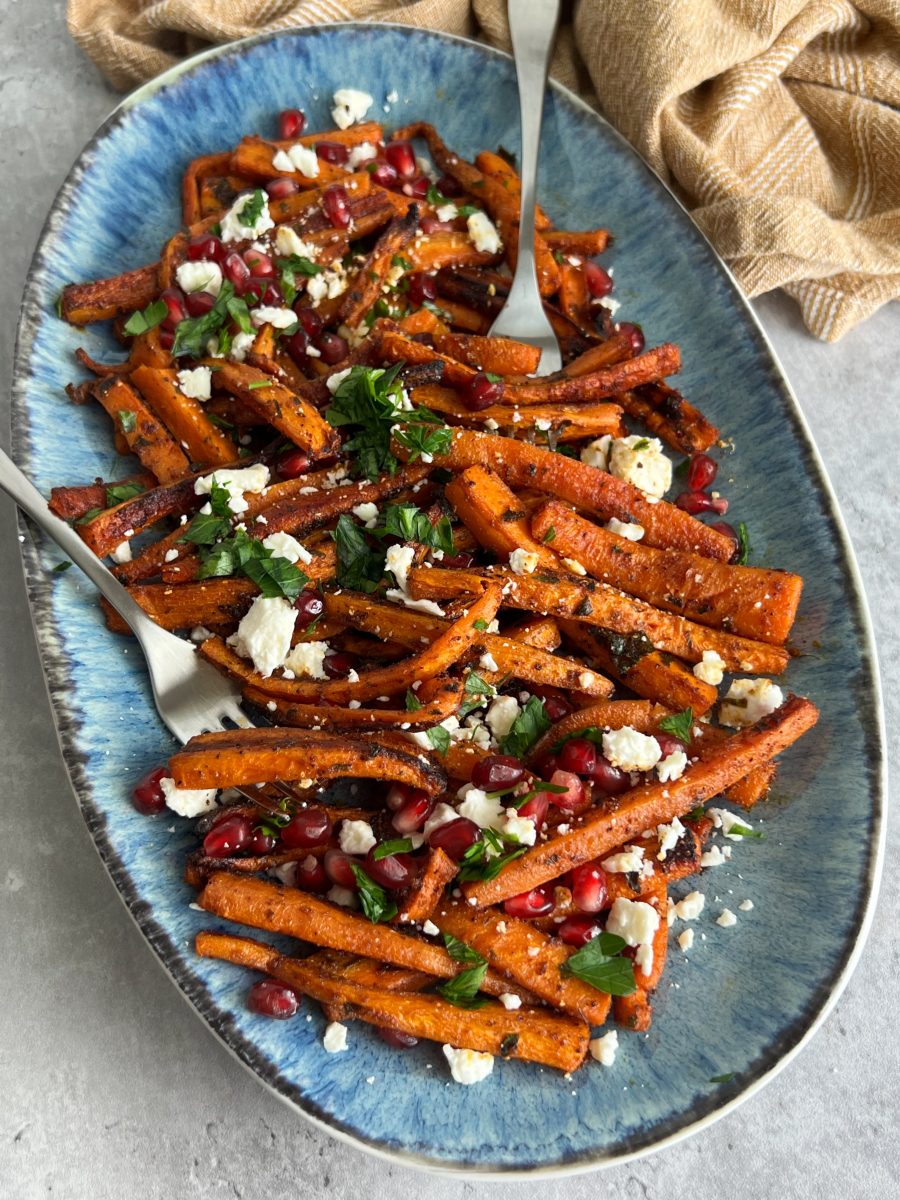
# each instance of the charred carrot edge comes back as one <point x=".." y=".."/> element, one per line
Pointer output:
<point x="146" y="436"/>
<point x="317" y="716"/>
<point x="184" y="417"/>
<point x="366" y="283"/>
<point x="215" y="603"/>
<point x="493" y="515"/>
<point x="669" y="416"/>
<point x="542" y="633"/>
<point x="83" y="303"/>
<point x="439" y="870"/>
<point x="288" y="411"/>
<point x="70" y="503"/>
<point x="564" y="422"/>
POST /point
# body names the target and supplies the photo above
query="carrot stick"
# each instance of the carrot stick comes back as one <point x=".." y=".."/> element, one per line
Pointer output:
<point x="82" y="303"/>
<point x="421" y="902"/>
<point x="146" y="436"/>
<point x="614" y="714"/>
<point x="498" y="355"/>
<point x="184" y="417"/>
<point x="215" y="603"/>
<point x="564" y="422"/>
<point x="318" y="716"/>
<point x="492" y="514"/>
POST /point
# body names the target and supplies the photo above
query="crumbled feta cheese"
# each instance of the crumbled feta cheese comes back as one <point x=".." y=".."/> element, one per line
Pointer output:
<point x="187" y="802"/>
<point x="278" y="318"/>
<point x="264" y="634"/>
<point x="283" y="545"/>
<point x="297" y="158"/>
<point x="334" y="381"/>
<point x="672" y="766"/>
<point x="356" y="837"/>
<point x="575" y="566"/>
<point x="745" y="905"/>
<point x="287" y="242"/>
<point x="361" y="154"/>
<point x="625" y="529"/>
<point x="170" y="555"/>
<point x="234" y="229"/>
<point x="644" y="958"/>
<point x="488" y="663"/>
<point x="726" y="918"/>
<point x="484" y="234"/>
<point x="641" y="461"/>
<point x="398" y="561"/>
<point x="468" y="1066"/>
<point x="630" y="750"/>
<point x="430" y="928"/>
<point x="627" y="860"/>
<point x="201" y="276"/>
<point x="596" y="453"/>
<point x="335" y="1039"/>
<point x="748" y="701"/>
<point x="307" y="659"/>
<point x="196" y="382"/>
<point x="486" y="811"/>
<point x="326" y="285"/>
<point x="686" y="939"/>
<point x="201" y="634"/>
<point x="442" y="814"/>
<point x="122" y="552"/>
<point x="711" y="668"/>
<point x="240" y="344"/>
<point x="345" y="897"/>
<point x="350" y="106"/>
<point x="604" y="1048"/>
<point x="501" y="714"/>
<point x="425" y="606"/>
<point x="726" y="821"/>
<point x="632" y="920"/>
<point x="519" y="829"/>
<point x="447" y="212"/>
<point x="690" y="908"/>
<point x="367" y="513"/>
<point x="236" y="481"/>
<point x="587" y="679"/>
<point x="668" y="837"/>
<point x="523" y="562"/>
<point x="715" y="856"/>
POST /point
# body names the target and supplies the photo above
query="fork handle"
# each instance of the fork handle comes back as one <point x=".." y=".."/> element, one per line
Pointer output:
<point x="30" y="501"/>
<point x="532" y="27"/>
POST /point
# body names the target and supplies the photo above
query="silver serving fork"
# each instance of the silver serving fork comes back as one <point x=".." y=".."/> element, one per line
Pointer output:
<point x="532" y="24"/>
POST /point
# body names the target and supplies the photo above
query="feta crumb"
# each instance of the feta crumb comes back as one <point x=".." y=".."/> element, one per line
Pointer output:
<point x="201" y="634"/>
<point x="630" y="750"/>
<point x="187" y="802"/>
<point x="425" y="606"/>
<point x="745" y="905"/>
<point x="335" y="1039"/>
<point x="442" y="815"/>
<point x="519" y="829"/>
<point x="430" y="928"/>
<point x="501" y="714"/>
<point x="484" y="234"/>
<point x="240" y="344"/>
<point x="715" y="856"/>
<point x="283" y="545"/>
<point x="587" y="679"/>
<point x="644" y="957"/>
<point x="170" y="555"/>
<point x="575" y="566"/>
<point x="356" y="837"/>
<point x="196" y="382"/>
<point x="350" y="106"/>
<point x="234" y="229"/>
<point x="627" y="860"/>
<point x="307" y="659"/>
<point x="201" y="276"/>
<point x="264" y="634"/>
<point x="710" y="669"/>
<point x="633" y="920"/>
<point x="672" y="766"/>
<point x="360" y="154"/>
<point x="398" y="561"/>
<point x="641" y="462"/>
<point x="287" y="242"/>
<point x="604" y="1048"/>
<point x="278" y="318"/>
<point x="447" y="212"/>
<point x="625" y="529"/>
<point x="686" y="939"/>
<point x="668" y="837"/>
<point x="345" y="897"/>
<point x="486" y="811"/>
<point x="596" y="453"/>
<point x="748" y="701"/>
<point x="487" y="662"/>
<point x="510" y="1000"/>
<point x="523" y="562"/>
<point x="690" y="908"/>
<point x="726" y="918"/>
<point x="468" y="1066"/>
<point x="122" y="552"/>
<point x="297" y="158"/>
<point x="236" y="481"/>
<point x="367" y="513"/>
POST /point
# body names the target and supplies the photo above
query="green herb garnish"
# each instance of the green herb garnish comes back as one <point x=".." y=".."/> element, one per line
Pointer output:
<point x="252" y="208"/>
<point x="460" y="952"/>
<point x="374" y="900"/>
<point x="118" y="493"/>
<point x="127" y="420"/>
<point x="412" y="704"/>
<point x="439" y="738"/>
<point x="531" y="724"/>
<point x="462" y="989"/>
<point x="410" y="524"/>
<point x="359" y="567"/>
<point x="397" y="846"/>
<point x="549" y="535"/>
<point x="147" y="318"/>
<point x="680" y="725"/>
<point x="288" y="270"/>
<point x="601" y="964"/>
<point x="744" y="547"/>
<point x="60" y="567"/>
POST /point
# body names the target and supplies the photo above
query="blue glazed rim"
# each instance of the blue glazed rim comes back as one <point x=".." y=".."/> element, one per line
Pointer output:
<point x="56" y="667"/>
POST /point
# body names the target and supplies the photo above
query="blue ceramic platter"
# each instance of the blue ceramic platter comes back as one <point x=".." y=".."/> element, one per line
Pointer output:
<point x="747" y="997"/>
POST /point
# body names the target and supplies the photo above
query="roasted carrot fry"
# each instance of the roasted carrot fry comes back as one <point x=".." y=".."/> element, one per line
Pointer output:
<point x="158" y="451"/>
<point x="498" y="355"/>
<point x="668" y="415"/>
<point x="71" y="503"/>
<point x="184" y="417"/>
<point x="439" y="870"/>
<point x="196" y="170"/>
<point x="651" y="805"/>
<point x="450" y="249"/>
<point x="215" y="603"/>
<point x="367" y="283"/>
<point x="540" y="632"/>
<point x="253" y="157"/>
<point x="492" y="514"/>
<point x="288" y="411"/>
<point x="563" y="422"/>
<point x="318" y="716"/>
<point x="111" y="527"/>
<point x="82" y="303"/>
<point x="615" y="714"/>
<point x="586" y="244"/>
<point x="634" y="1011"/>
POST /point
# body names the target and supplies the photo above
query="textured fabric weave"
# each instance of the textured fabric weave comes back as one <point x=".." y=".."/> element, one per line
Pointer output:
<point x="776" y="121"/>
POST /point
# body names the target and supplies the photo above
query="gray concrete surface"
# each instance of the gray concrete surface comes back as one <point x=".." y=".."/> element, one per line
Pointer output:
<point x="111" y="1088"/>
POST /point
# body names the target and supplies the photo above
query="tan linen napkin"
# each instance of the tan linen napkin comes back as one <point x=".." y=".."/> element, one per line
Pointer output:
<point x="776" y="121"/>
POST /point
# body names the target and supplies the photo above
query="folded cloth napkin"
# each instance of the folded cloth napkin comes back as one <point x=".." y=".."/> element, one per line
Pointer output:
<point x="776" y="121"/>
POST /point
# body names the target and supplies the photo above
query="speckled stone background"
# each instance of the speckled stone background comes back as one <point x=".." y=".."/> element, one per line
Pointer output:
<point x="111" y="1088"/>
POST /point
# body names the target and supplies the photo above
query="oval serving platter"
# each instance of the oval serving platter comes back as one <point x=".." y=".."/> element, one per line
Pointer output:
<point x="748" y="997"/>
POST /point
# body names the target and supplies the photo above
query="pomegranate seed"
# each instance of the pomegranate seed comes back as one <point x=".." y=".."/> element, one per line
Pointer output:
<point x="633" y="333"/>
<point x="384" y="175"/>
<point x="575" y="798"/>
<point x="699" y="502"/>
<point x="578" y="931"/>
<point x="589" y="887"/>
<point x="396" y="1038"/>
<point x="333" y="152"/>
<point x="307" y="828"/>
<point x="430" y="224"/>
<point x="166" y="339"/>
<point x="310" y="321"/>
<point x="497" y="772"/>
<point x="147" y="794"/>
<point x="205" y="246"/>
<point x="547" y="765"/>
<point x="455" y="837"/>
<point x="609" y="779"/>
<point x="260" y="264"/>
<point x="253" y="290"/>
<point x="339" y="665"/>
<point x="402" y="158"/>
<point x="270" y="998"/>
<point x="400" y="793"/>
<point x="413" y="814"/>
<point x="701" y="472"/>
<point x="291" y="123"/>
<point x="578" y="755"/>
<point x="271" y="292"/>
<point x="599" y="282"/>
<point x="337" y="868"/>
<point x="174" y="302"/>
<point x="461" y="560"/>
<point x="236" y="270"/>
<point x="668" y="743"/>
<point x="480" y="393"/>
<point x="448" y="186"/>
<point x="309" y="605"/>
<point x="730" y="532"/>
<point x="199" y="303"/>
<point x="261" y="843"/>
<point x="227" y="837"/>
<point x="528" y="905"/>
<point x="536" y="809"/>
<point x="336" y="206"/>
<point x="333" y="348"/>
<point x="417" y="188"/>
<point x="422" y="287"/>
<point x="293" y="464"/>
<point x="310" y="875"/>
<point x="392" y="872"/>
<point x="297" y="346"/>
<point x="280" y="189"/>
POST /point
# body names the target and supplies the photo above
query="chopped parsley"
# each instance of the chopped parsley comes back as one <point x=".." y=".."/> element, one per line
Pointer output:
<point x="288" y="270"/>
<point x="397" y="846"/>
<point x="118" y="493"/>
<point x="460" y="952"/>
<point x="462" y="989"/>
<point x="601" y="964"/>
<point x="359" y="567"/>
<point x="60" y="567"/>
<point x="412" y="704"/>
<point x="252" y="209"/>
<point x="680" y="725"/>
<point x="439" y="738"/>
<point x="374" y="900"/>
<point x="531" y="724"/>
<point x="408" y="522"/>
<point x="743" y="553"/>
<point x="193" y="334"/>
<point x="147" y="318"/>
<point x="127" y="420"/>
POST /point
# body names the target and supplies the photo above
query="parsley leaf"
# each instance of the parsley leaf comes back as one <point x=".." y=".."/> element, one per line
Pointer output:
<point x="147" y="318"/>
<point x="439" y="738"/>
<point x="374" y="900"/>
<point x="369" y="401"/>
<point x="726" y="1078"/>
<point x="118" y="493"/>
<point x="680" y="725"/>
<point x="397" y="846"/>
<point x="486" y="868"/>
<point x="289" y="268"/>
<point x="127" y="420"/>
<point x="433" y="196"/>
<point x="421" y="441"/>
<point x="358" y="566"/>
<point x="745" y="831"/>
<point x="531" y="724"/>
<point x="549" y="535"/>
<point x="744" y="547"/>
<point x="462" y="989"/>
<point x="89" y="516"/>
<point x="252" y="209"/>
<point x="481" y="625"/>
<point x="194" y="333"/>
<point x="412" y="704"/>
<point x="601" y="964"/>
<point x="460" y="952"/>
<point x="641" y="444"/>
<point x="60" y="567"/>
<point x="410" y="524"/>
<point x="273" y="575"/>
